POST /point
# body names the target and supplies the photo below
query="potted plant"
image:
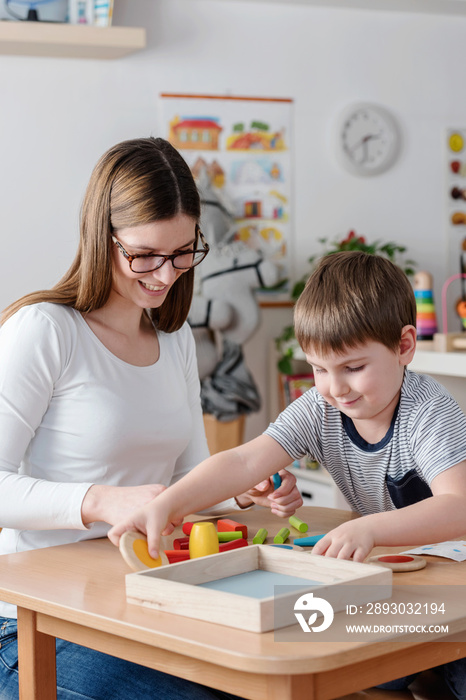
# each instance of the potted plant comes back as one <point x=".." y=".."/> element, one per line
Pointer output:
<point x="286" y="342"/>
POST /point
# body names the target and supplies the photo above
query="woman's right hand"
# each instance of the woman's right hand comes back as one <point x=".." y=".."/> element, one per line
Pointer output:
<point x="113" y="504"/>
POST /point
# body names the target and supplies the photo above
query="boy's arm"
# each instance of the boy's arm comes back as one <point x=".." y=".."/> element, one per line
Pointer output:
<point x="219" y="477"/>
<point x="441" y="517"/>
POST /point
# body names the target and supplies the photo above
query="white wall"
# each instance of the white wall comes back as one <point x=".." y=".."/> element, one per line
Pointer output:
<point x="58" y="115"/>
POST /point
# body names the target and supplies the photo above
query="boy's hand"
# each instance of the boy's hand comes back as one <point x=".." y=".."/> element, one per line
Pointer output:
<point x="150" y="520"/>
<point x="352" y="540"/>
<point x="283" y="501"/>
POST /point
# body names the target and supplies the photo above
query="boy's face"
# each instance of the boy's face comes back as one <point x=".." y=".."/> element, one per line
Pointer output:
<point x="364" y="382"/>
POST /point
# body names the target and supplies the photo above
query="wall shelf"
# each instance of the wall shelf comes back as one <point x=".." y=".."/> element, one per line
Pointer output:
<point x="69" y="40"/>
<point x="441" y="7"/>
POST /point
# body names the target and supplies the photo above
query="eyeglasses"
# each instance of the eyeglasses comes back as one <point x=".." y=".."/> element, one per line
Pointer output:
<point x="147" y="262"/>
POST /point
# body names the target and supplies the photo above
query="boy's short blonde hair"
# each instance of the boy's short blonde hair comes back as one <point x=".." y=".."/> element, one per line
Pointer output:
<point x="352" y="298"/>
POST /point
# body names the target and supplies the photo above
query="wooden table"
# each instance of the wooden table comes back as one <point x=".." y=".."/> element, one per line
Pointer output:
<point x="77" y="592"/>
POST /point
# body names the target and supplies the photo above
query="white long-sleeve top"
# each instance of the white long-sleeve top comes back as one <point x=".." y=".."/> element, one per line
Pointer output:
<point x="72" y="414"/>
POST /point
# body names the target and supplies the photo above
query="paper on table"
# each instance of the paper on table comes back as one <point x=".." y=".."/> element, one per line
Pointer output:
<point x="454" y="549"/>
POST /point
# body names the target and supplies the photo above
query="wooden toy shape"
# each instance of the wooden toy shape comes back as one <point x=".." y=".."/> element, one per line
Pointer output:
<point x="308" y="541"/>
<point x="298" y="523"/>
<point x="175" y="555"/>
<point x="281" y="536"/>
<point x="229" y="536"/>
<point x="276" y="480"/>
<point x="187" y="527"/>
<point x="133" y="549"/>
<point x="186" y="588"/>
<point x="226" y="525"/>
<point x="203" y="540"/>
<point x="181" y="543"/>
<point x="260" y="536"/>
<point x="445" y="341"/>
<point x="234" y="544"/>
<point x="399" y="562"/>
<point x="426" y="320"/>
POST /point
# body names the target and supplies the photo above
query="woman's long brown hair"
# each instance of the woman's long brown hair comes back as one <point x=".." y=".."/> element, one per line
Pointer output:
<point x="136" y="182"/>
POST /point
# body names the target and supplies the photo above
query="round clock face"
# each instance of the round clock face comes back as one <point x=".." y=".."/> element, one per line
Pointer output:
<point x="368" y="139"/>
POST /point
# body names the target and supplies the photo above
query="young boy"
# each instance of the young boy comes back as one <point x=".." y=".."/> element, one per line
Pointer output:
<point x="393" y="441"/>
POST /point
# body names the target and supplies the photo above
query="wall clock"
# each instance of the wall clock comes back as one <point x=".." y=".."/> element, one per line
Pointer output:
<point x="368" y="139"/>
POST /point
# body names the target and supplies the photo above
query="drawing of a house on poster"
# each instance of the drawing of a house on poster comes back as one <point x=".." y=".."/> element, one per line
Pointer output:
<point x="198" y="133"/>
<point x="214" y="169"/>
<point x="243" y="144"/>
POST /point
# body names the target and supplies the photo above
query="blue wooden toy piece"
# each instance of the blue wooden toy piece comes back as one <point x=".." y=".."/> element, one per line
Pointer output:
<point x="308" y="541"/>
<point x="276" y="480"/>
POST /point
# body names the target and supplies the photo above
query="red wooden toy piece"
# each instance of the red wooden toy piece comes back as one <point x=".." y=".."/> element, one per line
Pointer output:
<point x="187" y="527"/>
<point x="175" y="555"/>
<point x="181" y="543"/>
<point x="232" y="526"/>
<point x="234" y="544"/>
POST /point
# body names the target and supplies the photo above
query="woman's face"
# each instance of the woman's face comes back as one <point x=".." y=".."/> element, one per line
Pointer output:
<point x="148" y="290"/>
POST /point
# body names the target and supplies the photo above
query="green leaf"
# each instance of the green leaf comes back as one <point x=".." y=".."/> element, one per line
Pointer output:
<point x="284" y="365"/>
<point x="298" y="289"/>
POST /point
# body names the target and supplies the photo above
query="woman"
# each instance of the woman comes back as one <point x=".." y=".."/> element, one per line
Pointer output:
<point x="99" y="392"/>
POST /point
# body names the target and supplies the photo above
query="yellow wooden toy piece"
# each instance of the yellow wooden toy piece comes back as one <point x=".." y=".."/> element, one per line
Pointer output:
<point x="134" y="550"/>
<point x="203" y="540"/>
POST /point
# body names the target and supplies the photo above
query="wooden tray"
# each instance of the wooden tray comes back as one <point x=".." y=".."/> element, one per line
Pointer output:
<point x="236" y="588"/>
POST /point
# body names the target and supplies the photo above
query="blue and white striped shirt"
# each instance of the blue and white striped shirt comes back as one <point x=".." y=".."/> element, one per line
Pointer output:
<point x="427" y="436"/>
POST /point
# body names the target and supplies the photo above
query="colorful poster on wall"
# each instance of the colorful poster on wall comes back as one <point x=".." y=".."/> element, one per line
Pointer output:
<point x="243" y="146"/>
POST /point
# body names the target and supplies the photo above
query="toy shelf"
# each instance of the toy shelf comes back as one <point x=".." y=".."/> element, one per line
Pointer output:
<point x="69" y="40"/>
<point x="448" y="364"/>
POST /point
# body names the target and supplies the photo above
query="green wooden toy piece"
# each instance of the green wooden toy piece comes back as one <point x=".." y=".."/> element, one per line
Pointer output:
<point x="281" y="536"/>
<point x="229" y="536"/>
<point x="298" y="524"/>
<point x="260" y="536"/>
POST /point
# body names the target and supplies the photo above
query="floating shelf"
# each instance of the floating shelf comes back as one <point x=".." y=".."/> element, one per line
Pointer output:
<point x="441" y="7"/>
<point x="69" y="40"/>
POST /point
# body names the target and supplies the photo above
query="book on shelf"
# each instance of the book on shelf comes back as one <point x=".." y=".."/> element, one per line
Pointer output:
<point x="94" y="12"/>
<point x="103" y="13"/>
<point x="292" y="386"/>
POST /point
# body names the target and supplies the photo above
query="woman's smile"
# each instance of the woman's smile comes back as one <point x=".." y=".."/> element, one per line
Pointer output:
<point x="152" y="287"/>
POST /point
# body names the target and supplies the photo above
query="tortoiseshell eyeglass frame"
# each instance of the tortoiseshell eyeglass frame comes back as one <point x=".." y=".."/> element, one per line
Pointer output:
<point x="163" y="258"/>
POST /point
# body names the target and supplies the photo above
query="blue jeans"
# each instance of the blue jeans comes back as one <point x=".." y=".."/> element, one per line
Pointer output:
<point x="454" y="674"/>
<point x="85" y="674"/>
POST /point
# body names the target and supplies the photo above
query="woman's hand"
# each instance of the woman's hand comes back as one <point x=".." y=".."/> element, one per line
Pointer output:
<point x="112" y="504"/>
<point x="283" y="501"/>
<point x="352" y="540"/>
